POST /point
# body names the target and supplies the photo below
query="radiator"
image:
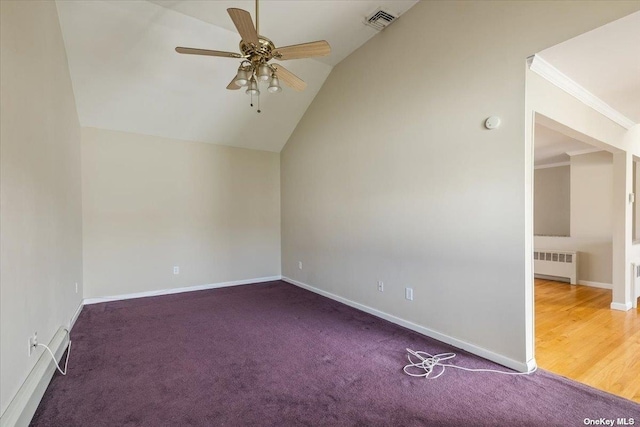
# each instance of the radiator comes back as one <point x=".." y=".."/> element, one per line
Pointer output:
<point x="635" y="284"/>
<point x="556" y="263"/>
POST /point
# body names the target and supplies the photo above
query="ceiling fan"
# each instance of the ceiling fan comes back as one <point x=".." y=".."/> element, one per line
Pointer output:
<point x="257" y="51"/>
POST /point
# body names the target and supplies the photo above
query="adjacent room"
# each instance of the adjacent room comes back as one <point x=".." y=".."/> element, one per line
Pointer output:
<point x="585" y="215"/>
<point x="577" y="333"/>
<point x="321" y="212"/>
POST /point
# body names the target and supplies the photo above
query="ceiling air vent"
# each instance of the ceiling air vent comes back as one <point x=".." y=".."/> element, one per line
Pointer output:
<point x="380" y="19"/>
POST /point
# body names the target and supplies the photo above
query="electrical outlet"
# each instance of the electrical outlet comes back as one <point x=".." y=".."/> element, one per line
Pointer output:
<point x="380" y="286"/>
<point x="408" y="293"/>
<point x="299" y="265"/>
<point x="176" y="269"/>
<point x="33" y="342"/>
<point x="76" y="287"/>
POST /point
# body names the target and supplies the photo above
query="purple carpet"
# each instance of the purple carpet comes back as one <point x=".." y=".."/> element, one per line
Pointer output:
<point x="273" y="354"/>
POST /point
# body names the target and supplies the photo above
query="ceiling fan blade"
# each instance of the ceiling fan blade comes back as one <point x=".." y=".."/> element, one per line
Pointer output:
<point x="304" y="50"/>
<point x="289" y="78"/>
<point x="243" y="22"/>
<point x="232" y="85"/>
<point x="193" y="51"/>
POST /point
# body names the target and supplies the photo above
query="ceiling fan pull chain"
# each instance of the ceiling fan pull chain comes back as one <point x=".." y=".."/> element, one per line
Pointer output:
<point x="258" y="103"/>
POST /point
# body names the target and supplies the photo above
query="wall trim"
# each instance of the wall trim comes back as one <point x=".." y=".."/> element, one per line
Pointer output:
<point x="552" y="165"/>
<point x="585" y="151"/>
<point x="621" y="306"/>
<point x="482" y="352"/>
<point x="590" y="283"/>
<point x="24" y="404"/>
<point x="595" y="284"/>
<point x="170" y="291"/>
<point x="561" y="80"/>
<point x="75" y="315"/>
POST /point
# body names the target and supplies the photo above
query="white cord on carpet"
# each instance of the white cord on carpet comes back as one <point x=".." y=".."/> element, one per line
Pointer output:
<point x="425" y="367"/>
<point x="54" y="357"/>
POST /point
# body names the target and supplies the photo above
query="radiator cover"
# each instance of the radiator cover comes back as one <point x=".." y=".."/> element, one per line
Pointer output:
<point x="556" y="263"/>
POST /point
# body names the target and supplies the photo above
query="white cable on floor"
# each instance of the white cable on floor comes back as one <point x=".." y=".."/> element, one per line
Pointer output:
<point x="428" y="362"/>
<point x="54" y="357"/>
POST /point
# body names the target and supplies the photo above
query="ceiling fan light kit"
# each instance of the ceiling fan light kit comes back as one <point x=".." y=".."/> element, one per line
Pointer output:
<point x="264" y="72"/>
<point x="243" y="76"/>
<point x="274" y="85"/>
<point x="257" y="51"/>
<point x="253" y="87"/>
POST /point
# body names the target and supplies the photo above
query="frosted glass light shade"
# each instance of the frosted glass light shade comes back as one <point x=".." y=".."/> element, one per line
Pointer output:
<point x="253" y="87"/>
<point x="242" y="78"/>
<point x="264" y="72"/>
<point x="274" y="85"/>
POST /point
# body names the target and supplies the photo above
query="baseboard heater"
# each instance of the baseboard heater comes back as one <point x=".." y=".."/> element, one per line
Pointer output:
<point x="635" y="284"/>
<point x="23" y="406"/>
<point x="563" y="264"/>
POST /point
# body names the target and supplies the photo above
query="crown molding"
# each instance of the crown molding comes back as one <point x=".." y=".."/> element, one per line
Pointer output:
<point x="561" y="80"/>
<point x="552" y="165"/>
<point x="585" y="151"/>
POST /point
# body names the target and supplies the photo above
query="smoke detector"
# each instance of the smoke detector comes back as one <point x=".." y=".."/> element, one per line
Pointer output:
<point x="380" y="19"/>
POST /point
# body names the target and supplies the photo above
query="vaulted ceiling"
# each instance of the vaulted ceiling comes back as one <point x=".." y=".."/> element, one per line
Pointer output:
<point x="127" y="76"/>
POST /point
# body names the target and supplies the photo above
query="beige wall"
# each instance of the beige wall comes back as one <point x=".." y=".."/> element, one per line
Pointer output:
<point x="591" y="218"/>
<point x="552" y="193"/>
<point x="391" y="176"/>
<point x="592" y="195"/>
<point x="152" y="203"/>
<point x="41" y="220"/>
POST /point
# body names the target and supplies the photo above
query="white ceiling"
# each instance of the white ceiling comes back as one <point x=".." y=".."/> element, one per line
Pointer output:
<point x="287" y="22"/>
<point x="606" y="62"/>
<point x="126" y="75"/>
<point x="551" y="146"/>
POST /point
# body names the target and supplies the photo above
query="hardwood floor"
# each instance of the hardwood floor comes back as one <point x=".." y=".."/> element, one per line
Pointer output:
<point x="579" y="337"/>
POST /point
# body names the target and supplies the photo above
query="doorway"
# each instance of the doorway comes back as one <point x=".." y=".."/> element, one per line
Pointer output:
<point x="577" y="335"/>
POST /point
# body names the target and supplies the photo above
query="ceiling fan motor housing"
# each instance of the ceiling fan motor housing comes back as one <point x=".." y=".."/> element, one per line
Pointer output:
<point x="261" y="53"/>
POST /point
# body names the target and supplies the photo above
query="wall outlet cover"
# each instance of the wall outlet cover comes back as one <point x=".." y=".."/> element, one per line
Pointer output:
<point x="408" y="293"/>
<point x="33" y="343"/>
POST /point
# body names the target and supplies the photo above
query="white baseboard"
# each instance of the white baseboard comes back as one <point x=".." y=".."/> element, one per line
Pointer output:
<point x="621" y="306"/>
<point x="595" y="284"/>
<point x="482" y="352"/>
<point x="75" y="315"/>
<point x="21" y="409"/>
<point x="552" y="278"/>
<point x="180" y="290"/>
